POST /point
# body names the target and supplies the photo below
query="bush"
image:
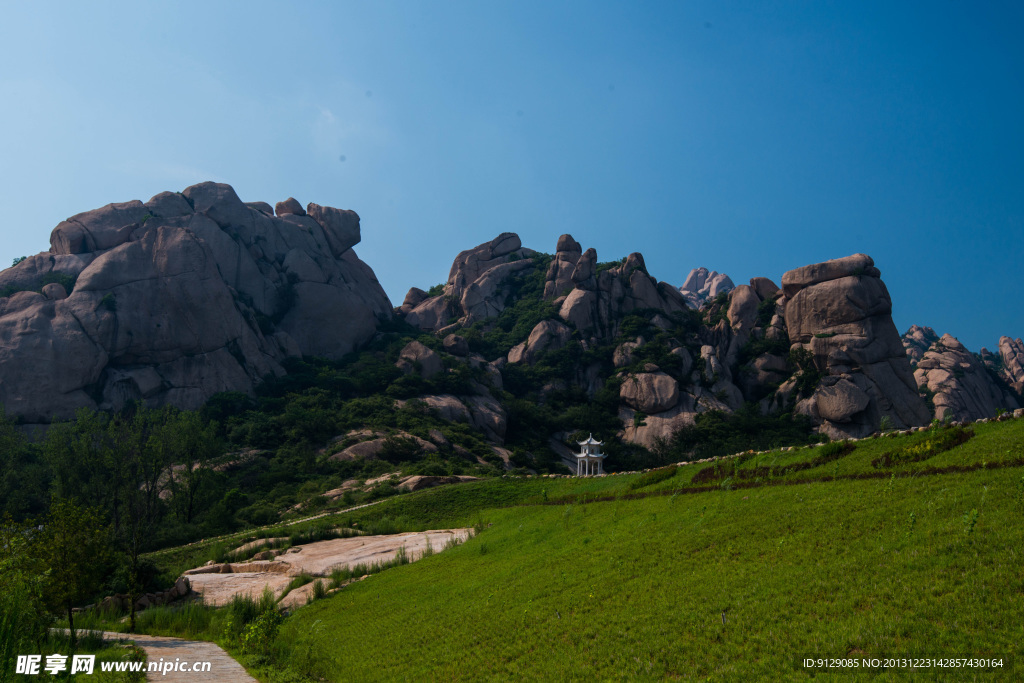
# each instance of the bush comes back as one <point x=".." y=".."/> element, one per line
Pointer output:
<point x="946" y="439"/>
<point x="654" y="477"/>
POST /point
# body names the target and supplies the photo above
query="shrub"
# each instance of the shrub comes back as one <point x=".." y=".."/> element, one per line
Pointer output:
<point x="654" y="477"/>
<point x="946" y="439"/>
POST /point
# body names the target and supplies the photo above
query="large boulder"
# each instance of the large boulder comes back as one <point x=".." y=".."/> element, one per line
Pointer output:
<point x="841" y="312"/>
<point x="175" y="299"/>
<point x="650" y="392"/>
<point x="547" y="335"/>
<point x="415" y="357"/>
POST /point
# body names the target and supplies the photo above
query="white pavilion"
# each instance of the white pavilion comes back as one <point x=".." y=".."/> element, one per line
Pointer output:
<point x="590" y="459"/>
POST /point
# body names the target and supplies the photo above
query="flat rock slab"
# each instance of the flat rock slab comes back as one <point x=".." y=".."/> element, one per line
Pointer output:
<point x="223" y="669"/>
<point x="218" y="589"/>
<point x="318" y="559"/>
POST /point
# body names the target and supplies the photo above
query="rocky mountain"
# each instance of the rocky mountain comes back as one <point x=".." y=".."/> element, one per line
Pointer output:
<point x="190" y="294"/>
<point x="172" y="300"/>
<point x="826" y="347"/>
<point x="702" y="284"/>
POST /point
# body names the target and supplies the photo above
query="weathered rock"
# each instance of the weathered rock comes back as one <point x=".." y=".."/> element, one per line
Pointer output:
<point x="55" y="292"/>
<point x="558" y="280"/>
<point x="742" y="312"/>
<point x="97" y="230"/>
<point x="960" y="386"/>
<point x="289" y="206"/>
<point x="413" y="298"/>
<point x="372" y="447"/>
<point x="415" y="357"/>
<point x="456" y="345"/>
<point x="487" y="415"/>
<point x="547" y="335"/>
<point x="650" y="392"/>
<point x="419" y="482"/>
<point x="702" y="284"/>
<point x="841" y="401"/>
<point x="840" y="310"/>
<point x="623" y="354"/>
<point x="174" y="300"/>
<point x="340" y="226"/>
<point x="1011" y="352"/>
<point x="447" y="407"/>
<point x="650" y="428"/>
<point x="917" y="340"/>
<point x="764" y="287"/>
<point x="477" y="287"/>
<point x="262" y="207"/>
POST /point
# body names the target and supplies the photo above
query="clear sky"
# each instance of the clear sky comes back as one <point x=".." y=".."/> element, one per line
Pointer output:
<point x="749" y="138"/>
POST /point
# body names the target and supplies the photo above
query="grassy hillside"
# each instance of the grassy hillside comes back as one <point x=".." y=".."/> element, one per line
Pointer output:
<point x="692" y="579"/>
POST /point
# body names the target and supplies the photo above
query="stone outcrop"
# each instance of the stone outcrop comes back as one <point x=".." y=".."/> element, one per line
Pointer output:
<point x="702" y="284"/>
<point x="547" y="335"/>
<point x="840" y="311"/>
<point x="477" y="285"/>
<point x="917" y="340"/>
<point x="651" y="391"/>
<point x="959" y="384"/>
<point x="1011" y="353"/>
<point x="373" y="443"/>
<point x="558" y="281"/>
<point x="415" y="357"/>
<point x="599" y="300"/>
<point x="175" y="299"/>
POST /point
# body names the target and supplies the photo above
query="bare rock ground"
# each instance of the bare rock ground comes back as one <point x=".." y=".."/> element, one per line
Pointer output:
<point x="218" y="584"/>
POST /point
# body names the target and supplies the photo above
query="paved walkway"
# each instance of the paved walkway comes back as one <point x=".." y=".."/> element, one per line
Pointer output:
<point x="223" y="669"/>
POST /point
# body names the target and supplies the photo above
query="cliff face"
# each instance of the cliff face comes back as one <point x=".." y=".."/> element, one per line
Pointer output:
<point x="175" y="299"/>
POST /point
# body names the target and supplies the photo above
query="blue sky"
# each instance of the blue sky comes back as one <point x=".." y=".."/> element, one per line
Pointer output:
<point x="749" y="138"/>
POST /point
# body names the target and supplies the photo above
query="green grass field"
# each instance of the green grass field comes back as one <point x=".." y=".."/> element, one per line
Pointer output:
<point x="731" y="578"/>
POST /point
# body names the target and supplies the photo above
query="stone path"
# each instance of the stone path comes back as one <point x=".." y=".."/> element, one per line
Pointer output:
<point x="223" y="669"/>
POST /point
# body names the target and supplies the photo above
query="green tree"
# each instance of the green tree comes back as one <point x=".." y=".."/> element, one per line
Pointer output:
<point x="189" y="444"/>
<point x="138" y="461"/>
<point x="22" y="619"/>
<point x="72" y="548"/>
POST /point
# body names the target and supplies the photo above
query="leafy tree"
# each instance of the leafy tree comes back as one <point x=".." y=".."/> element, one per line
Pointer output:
<point x="137" y="457"/>
<point x="189" y="444"/>
<point x="22" y="619"/>
<point x="71" y="548"/>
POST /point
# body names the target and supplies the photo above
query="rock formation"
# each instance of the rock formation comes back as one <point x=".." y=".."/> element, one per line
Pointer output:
<point x="476" y="287"/>
<point x="840" y="312"/>
<point x="702" y="284"/>
<point x="917" y="340"/>
<point x="599" y="300"/>
<point x="175" y="299"/>
<point x="1011" y="353"/>
<point x="959" y="384"/>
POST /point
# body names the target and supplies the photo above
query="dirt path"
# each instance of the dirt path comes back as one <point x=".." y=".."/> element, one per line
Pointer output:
<point x="223" y="669"/>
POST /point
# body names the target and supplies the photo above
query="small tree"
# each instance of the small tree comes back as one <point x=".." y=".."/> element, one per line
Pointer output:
<point x="72" y="549"/>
